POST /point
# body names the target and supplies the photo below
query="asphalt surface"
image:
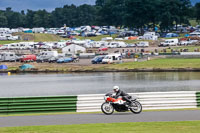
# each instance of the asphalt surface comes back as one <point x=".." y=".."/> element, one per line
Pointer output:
<point x="68" y="119"/>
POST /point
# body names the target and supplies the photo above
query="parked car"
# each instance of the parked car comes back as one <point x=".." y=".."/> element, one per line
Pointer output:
<point x="97" y="59"/>
<point x="65" y="60"/>
<point x="103" y="49"/>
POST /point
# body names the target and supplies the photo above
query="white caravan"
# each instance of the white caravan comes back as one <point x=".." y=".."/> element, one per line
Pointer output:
<point x="143" y="44"/>
<point x="117" y="44"/>
<point x="8" y="56"/>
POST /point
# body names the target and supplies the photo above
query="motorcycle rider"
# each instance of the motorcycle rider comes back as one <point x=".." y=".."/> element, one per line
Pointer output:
<point x="124" y="95"/>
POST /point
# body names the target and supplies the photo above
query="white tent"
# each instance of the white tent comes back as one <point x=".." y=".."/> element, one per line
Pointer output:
<point x="73" y="49"/>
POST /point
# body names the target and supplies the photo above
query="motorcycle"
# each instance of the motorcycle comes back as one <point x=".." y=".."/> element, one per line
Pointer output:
<point x="120" y="105"/>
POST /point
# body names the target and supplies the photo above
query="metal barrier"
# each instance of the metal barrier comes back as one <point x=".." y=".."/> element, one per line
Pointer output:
<point x="38" y="104"/>
<point x="149" y="100"/>
<point x="92" y="103"/>
<point x="198" y="99"/>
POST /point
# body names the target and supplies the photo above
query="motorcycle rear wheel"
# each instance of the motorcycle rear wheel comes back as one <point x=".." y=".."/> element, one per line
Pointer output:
<point x="107" y="108"/>
<point x="136" y="107"/>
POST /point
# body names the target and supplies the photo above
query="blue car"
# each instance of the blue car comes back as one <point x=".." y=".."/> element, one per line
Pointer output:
<point x="65" y="60"/>
<point x="97" y="59"/>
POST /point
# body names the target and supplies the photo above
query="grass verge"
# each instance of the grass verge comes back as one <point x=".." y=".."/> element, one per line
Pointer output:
<point x="139" y="127"/>
<point x="166" y="63"/>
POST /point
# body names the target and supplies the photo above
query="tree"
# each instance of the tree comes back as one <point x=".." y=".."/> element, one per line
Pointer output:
<point x="197" y="12"/>
<point x="3" y="21"/>
<point x="41" y="18"/>
<point x="29" y="19"/>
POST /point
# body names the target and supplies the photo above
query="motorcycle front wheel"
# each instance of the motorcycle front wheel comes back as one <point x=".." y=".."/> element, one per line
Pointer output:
<point x="136" y="107"/>
<point x="107" y="108"/>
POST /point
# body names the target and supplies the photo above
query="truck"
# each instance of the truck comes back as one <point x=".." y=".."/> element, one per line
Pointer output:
<point x="112" y="58"/>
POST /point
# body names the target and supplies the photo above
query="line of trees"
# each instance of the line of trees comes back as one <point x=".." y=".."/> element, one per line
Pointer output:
<point x="128" y="13"/>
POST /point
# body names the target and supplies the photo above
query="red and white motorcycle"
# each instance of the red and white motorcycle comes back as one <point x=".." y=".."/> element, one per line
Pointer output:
<point x="119" y="105"/>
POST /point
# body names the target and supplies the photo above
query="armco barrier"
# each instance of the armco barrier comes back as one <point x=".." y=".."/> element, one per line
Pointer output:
<point x="198" y="99"/>
<point x="92" y="103"/>
<point x="38" y="104"/>
<point x="149" y="100"/>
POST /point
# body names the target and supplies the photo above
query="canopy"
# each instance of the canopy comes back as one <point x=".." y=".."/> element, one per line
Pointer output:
<point x="3" y="67"/>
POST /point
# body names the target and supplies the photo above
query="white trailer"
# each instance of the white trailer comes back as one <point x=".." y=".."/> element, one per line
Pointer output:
<point x="8" y="56"/>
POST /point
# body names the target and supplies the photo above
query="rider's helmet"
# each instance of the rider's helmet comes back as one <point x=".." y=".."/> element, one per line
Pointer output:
<point x="115" y="88"/>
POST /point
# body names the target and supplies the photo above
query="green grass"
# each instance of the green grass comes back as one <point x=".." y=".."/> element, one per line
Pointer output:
<point x="160" y="63"/>
<point x="139" y="127"/>
<point x="96" y="38"/>
<point x="7" y="42"/>
<point x="46" y="37"/>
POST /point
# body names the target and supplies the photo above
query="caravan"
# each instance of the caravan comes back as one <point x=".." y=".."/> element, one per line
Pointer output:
<point x="117" y="45"/>
<point x="8" y="56"/>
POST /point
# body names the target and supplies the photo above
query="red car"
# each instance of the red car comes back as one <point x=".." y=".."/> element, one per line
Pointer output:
<point x="103" y="49"/>
<point x="28" y="58"/>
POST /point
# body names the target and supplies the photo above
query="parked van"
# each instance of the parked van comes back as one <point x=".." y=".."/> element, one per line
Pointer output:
<point x="8" y="56"/>
<point x="112" y="58"/>
<point x="170" y="42"/>
<point x="28" y="58"/>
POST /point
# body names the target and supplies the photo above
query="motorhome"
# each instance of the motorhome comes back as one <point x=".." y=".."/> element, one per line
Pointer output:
<point x="46" y="55"/>
<point x="8" y="56"/>
<point x="112" y="58"/>
<point x="117" y="44"/>
<point x="170" y="42"/>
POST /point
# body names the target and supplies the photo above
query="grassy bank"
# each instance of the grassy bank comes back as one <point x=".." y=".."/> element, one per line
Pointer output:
<point x="164" y="64"/>
<point x="7" y="42"/>
<point x="140" y="127"/>
<point x="159" y="63"/>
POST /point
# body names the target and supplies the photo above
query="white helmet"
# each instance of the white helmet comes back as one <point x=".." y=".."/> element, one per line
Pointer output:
<point x="116" y="88"/>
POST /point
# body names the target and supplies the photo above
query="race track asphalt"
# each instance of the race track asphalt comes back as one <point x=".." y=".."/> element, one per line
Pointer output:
<point x="68" y="119"/>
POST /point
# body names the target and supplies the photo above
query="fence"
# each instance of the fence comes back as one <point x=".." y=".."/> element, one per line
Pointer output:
<point x="92" y="103"/>
<point x="38" y="104"/>
<point x="149" y="101"/>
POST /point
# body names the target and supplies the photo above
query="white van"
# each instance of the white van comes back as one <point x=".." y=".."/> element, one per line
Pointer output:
<point x="170" y="42"/>
<point x="112" y="58"/>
